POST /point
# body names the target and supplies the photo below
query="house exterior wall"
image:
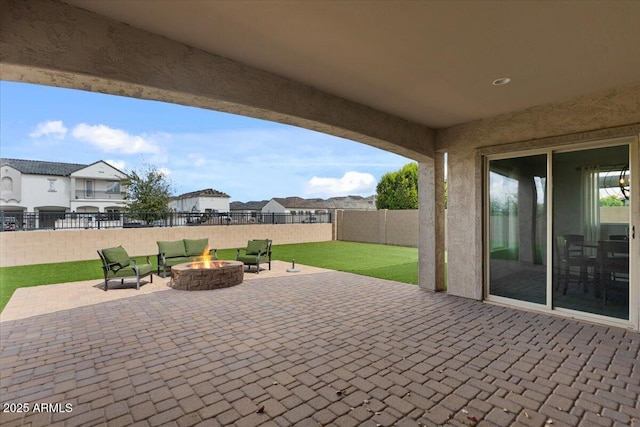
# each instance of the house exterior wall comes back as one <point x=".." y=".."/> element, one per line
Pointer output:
<point x="275" y="207"/>
<point x="102" y="176"/>
<point x="201" y="204"/>
<point x="26" y="248"/>
<point x="99" y="171"/>
<point x="608" y="114"/>
<point x="10" y="185"/>
<point x="38" y="192"/>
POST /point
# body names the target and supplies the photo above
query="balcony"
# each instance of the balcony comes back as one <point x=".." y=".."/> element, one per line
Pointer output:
<point x="99" y="195"/>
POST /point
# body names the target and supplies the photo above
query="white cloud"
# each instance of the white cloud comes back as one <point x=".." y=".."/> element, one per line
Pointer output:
<point x="111" y="140"/>
<point x="352" y="183"/>
<point x="165" y="171"/>
<point x="54" y="128"/>
<point x="118" y="164"/>
<point x="197" y="159"/>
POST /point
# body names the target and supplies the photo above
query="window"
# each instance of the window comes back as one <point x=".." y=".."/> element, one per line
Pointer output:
<point x="113" y="187"/>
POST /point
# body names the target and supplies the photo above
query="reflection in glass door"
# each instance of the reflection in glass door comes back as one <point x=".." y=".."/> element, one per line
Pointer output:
<point x="517" y="228"/>
<point x="591" y="217"/>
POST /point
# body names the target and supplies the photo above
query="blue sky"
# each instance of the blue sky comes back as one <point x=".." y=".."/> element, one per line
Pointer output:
<point x="248" y="159"/>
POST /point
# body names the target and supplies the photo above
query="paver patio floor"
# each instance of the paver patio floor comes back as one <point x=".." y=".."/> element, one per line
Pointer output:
<point x="315" y="349"/>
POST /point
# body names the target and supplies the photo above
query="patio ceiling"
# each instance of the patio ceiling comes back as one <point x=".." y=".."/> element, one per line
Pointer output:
<point x="429" y="62"/>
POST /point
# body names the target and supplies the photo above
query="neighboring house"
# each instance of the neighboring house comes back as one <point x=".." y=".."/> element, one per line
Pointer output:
<point x="38" y="186"/>
<point x="203" y="201"/>
<point x="303" y="210"/>
<point x="252" y="208"/>
<point x="299" y="205"/>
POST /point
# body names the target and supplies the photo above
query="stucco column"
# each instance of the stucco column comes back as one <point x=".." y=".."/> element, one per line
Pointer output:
<point x="426" y="226"/>
<point x="440" y="221"/>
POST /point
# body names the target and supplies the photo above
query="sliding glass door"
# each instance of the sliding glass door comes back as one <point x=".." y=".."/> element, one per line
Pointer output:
<point x="591" y="218"/>
<point x="559" y="233"/>
<point x="517" y="228"/>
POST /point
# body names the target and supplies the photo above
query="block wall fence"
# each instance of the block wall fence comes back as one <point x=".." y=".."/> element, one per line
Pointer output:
<point x="386" y="227"/>
<point x="49" y="246"/>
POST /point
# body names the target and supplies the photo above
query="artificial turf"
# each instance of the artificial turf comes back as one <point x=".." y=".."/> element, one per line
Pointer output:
<point x="385" y="262"/>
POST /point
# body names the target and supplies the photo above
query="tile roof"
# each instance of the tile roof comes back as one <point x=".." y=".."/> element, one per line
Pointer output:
<point x="207" y="192"/>
<point x="346" y="202"/>
<point x="248" y="206"/>
<point x="37" y="167"/>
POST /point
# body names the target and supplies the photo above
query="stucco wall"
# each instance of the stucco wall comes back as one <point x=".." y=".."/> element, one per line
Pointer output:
<point x="387" y="227"/>
<point x="201" y="204"/>
<point x="35" y="192"/>
<point x="37" y="247"/>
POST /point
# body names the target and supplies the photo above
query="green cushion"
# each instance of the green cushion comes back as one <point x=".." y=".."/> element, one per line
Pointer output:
<point x="255" y="246"/>
<point x="251" y="259"/>
<point x="196" y="247"/>
<point x="117" y="256"/>
<point x="145" y="269"/>
<point x="128" y="271"/>
<point x="172" y="248"/>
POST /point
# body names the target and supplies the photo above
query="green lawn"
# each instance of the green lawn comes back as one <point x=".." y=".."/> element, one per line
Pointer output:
<point x="385" y="262"/>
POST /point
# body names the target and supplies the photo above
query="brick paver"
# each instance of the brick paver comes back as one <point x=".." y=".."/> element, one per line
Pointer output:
<point x="328" y="348"/>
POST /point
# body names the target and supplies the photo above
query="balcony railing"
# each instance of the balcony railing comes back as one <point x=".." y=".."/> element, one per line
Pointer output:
<point x="104" y="195"/>
<point x="16" y="221"/>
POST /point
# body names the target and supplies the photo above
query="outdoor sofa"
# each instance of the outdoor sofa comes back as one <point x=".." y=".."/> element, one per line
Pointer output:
<point x="175" y="252"/>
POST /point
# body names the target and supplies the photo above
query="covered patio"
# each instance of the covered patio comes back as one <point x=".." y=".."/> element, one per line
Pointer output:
<point x="475" y="83"/>
<point x="316" y="348"/>
<point x="334" y="348"/>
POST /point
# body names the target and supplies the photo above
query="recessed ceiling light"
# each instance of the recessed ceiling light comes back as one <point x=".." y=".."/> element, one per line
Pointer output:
<point x="501" y="81"/>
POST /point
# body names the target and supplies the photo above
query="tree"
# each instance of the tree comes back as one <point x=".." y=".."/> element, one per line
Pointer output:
<point x="399" y="189"/>
<point x="148" y="190"/>
<point x="611" y="201"/>
<point x="446" y="194"/>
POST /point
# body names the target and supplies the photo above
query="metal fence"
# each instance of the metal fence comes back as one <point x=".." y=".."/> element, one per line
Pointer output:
<point x="23" y="221"/>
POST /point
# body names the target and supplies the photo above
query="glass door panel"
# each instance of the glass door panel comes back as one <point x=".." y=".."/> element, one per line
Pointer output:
<point x="517" y="228"/>
<point x="591" y="217"/>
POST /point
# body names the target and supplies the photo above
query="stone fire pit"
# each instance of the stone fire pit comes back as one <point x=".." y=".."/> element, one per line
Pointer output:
<point x="202" y="276"/>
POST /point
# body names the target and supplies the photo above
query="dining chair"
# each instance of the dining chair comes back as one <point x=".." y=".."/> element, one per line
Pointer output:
<point x="573" y="263"/>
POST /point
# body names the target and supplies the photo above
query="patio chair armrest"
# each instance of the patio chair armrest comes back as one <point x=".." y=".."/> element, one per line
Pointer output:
<point x="213" y="253"/>
<point x="112" y="266"/>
